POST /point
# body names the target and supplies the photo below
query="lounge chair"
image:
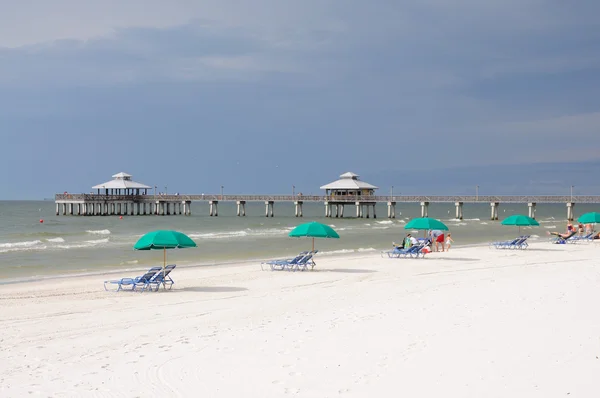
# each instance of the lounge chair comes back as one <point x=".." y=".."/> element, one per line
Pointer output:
<point x="303" y="263"/>
<point x="415" y="251"/>
<point x="280" y="264"/>
<point x="584" y="238"/>
<point x="143" y="280"/>
<point x="562" y="239"/>
<point x="163" y="277"/>
<point x="517" y="243"/>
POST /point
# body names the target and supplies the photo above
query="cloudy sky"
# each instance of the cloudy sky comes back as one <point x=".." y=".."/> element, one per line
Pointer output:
<point x="264" y="94"/>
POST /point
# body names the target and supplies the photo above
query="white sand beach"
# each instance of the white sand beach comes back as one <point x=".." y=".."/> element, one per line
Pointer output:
<point x="473" y="322"/>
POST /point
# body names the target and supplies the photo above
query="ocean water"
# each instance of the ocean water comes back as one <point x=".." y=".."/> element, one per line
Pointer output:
<point x="65" y="245"/>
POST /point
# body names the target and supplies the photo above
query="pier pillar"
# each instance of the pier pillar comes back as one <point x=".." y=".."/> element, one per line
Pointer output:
<point x="298" y="204"/>
<point x="424" y="209"/>
<point x="64" y="209"/>
<point x="131" y="208"/>
<point x="570" y="206"/>
<point x="241" y="208"/>
<point x="391" y="209"/>
<point x="327" y="209"/>
<point x="374" y="214"/>
<point x="494" y="210"/>
<point x="213" y="207"/>
<point x="341" y="211"/>
<point x="459" y="210"/>
<point x="531" y="209"/>
<point x="337" y="210"/>
<point x="358" y="209"/>
<point x="168" y="208"/>
<point x="269" y="206"/>
<point x="367" y="207"/>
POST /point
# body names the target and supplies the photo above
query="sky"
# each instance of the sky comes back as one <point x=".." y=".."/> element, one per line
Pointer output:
<point x="259" y="96"/>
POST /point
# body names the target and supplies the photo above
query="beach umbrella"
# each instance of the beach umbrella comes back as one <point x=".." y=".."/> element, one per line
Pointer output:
<point x="589" y="218"/>
<point x="426" y="223"/>
<point x="163" y="240"/>
<point x="314" y="230"/>
<point x="520" y="221"/>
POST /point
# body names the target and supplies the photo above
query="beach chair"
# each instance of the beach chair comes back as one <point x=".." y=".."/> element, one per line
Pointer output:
<point x="578" y="239"/>
<point x="163" y="277"/>
<point x="560" y="240"/>
<point x="142" y="281"/>
<point x="408" y="252"/>
<point x="505" y="244"/>
<point x="304" y="262"/>
<point x="280" y="264"/>
<point x="520" y="244"/>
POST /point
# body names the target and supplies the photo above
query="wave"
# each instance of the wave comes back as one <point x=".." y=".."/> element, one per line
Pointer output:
<point x="240" y="233"/>
<point x="56" y="240"/>
<point x="99" y="232"/>
<point x="20" y="244"/>
<point x="550" y="227"/>
<point x="384" y="222"/>
<point x="97" y="241"/>
<point x="368" y="249"/>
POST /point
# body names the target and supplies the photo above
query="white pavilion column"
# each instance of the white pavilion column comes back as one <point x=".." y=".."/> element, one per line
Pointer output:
<point x="298" y="205"/>
<point x="494" y="210"/>
<point x="374" y="214"/>
<point x="570" y="214"/>
<point x="459" y="210"/>
<point x="341" y="211"/>
<point x="424" y="209"/>
<point x="391" y="209"/>
<point x="531" y="209"/>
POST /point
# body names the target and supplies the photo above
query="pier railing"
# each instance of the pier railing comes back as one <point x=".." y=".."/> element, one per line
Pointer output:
<point x="336" y="198"/>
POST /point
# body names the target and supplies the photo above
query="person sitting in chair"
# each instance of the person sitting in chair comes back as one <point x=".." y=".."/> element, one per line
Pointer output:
<point x="564" y="236"/>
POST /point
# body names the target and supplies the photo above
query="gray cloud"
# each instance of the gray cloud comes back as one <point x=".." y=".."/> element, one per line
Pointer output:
<point x="473" y="82"/>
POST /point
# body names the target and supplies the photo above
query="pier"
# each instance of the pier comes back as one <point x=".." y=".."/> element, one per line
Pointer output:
<point x="94" y="204"/>
<point x="125" y="197"/>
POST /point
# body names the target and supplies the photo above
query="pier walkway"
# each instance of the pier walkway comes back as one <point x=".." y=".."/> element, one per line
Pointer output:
<point x="148" y="204"/>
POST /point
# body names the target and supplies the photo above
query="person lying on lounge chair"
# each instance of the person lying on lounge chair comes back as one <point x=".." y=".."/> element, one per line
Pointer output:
<point x="564" y="236"/>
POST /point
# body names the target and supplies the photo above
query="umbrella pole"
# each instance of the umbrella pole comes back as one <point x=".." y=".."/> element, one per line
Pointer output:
<point x="313" y="249"/>
<point x="164" y="261"/>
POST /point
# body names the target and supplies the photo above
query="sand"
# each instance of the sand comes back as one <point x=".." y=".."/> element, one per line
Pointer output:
<point x="472" y="322"/>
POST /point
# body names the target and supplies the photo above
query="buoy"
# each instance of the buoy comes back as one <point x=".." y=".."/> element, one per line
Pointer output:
<point x="41" y="220"/>
<point x="120" y="217"/>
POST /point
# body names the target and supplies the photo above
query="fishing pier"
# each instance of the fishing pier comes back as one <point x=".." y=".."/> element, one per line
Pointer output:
<point x="125" y="197"/>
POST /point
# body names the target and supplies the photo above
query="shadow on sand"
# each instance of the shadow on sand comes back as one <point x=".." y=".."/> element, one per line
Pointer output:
<point x="213" y="289"/>
<point x="351" y="270"/>
<point x="462" y="259"/>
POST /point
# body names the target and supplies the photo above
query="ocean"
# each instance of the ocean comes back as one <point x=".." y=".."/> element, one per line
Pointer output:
<point x="75" y="245"/>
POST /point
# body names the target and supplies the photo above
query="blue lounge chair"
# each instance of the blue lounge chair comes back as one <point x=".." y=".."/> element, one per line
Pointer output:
<point x="278" y="265"/>
<point x="415" y="251"/>
<point x="585" y="238"/>
<point x="508" y="244"/>
<point x="562" y="239"/>
<point x="142" y="280"/>
<point x="163" y="277"/>
<point x="304" y="262"/>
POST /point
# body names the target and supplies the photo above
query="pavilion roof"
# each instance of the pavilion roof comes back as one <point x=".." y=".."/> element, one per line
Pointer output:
<point x="349" y="181"/>
<point x="121" y="181"/>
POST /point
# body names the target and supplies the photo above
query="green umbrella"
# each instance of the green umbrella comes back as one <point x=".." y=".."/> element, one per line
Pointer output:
<point x="164" y="239"/>
<point x="426" y="223"/>
<point x="313" y="230"/>
<point x="589" y="218"/>
<point x="520" y="221"/>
